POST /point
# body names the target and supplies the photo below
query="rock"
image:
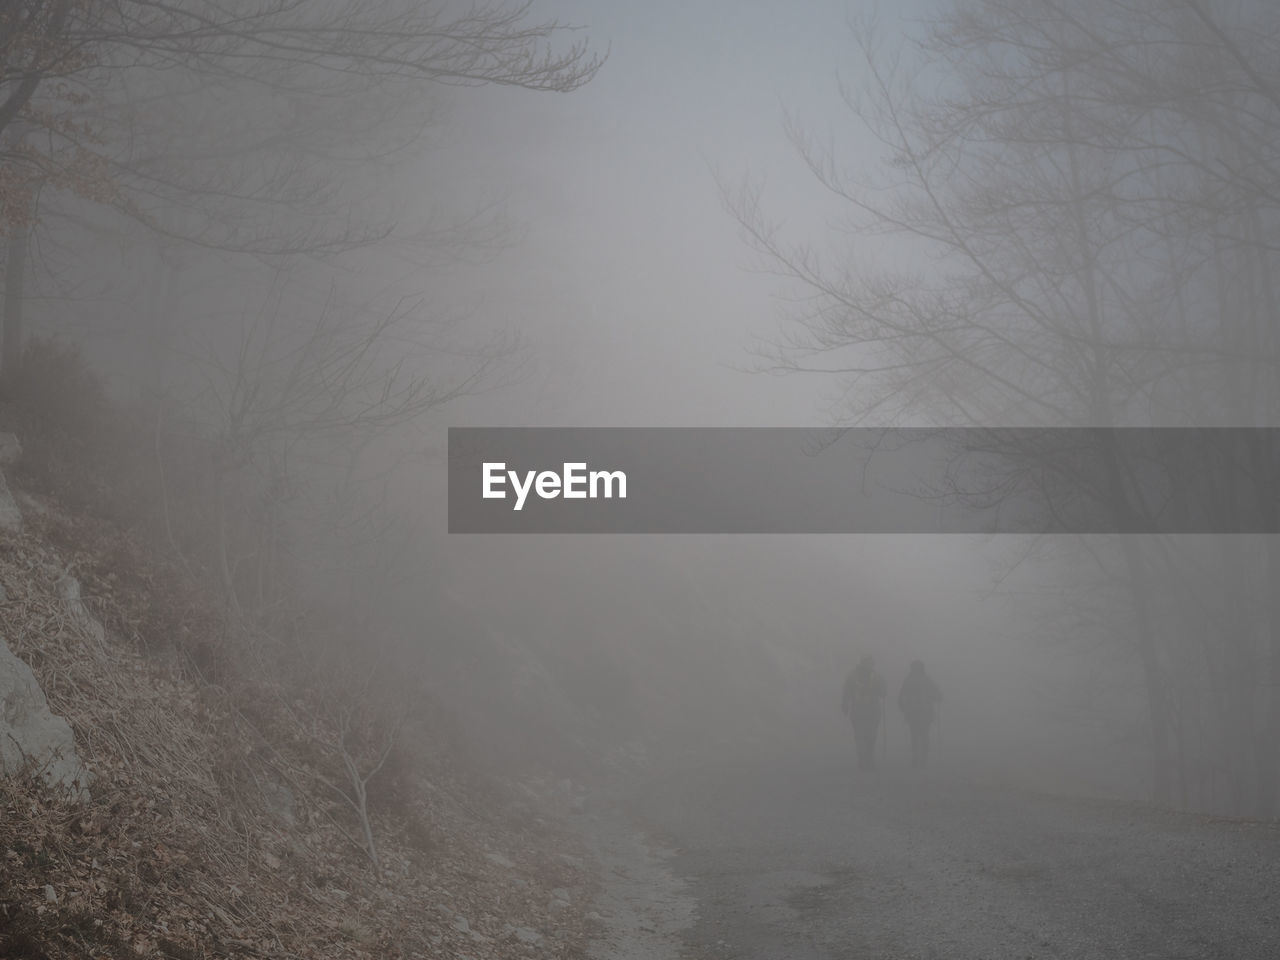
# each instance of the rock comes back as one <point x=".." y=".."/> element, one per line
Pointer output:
<point x="50" y="894"/>
<point x="30" y="732"/>
<point x="500" y="860"/>
<point x="460" y="924"/>
<point x="571" y="861"/>
<point x="10" y="449"/>
<point x="560" y="893"/>
<point x="278" y="798"/>
<point x="30" y="505"/>
<point x="527" y="935"/>
<point x="10" y="515"/>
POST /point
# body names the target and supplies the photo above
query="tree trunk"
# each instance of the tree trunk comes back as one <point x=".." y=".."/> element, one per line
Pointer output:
<point x="14" y="272"/>
<point x="1268" y="743"/>
<point x="223" y="547"/>
<point x="1149" y="653"/>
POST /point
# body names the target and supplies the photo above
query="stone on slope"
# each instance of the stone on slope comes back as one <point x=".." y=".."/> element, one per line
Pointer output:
<point x="10" y="513"/>
<point x="30" y="732"/>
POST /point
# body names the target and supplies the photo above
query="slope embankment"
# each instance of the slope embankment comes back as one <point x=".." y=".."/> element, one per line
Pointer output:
<point x="208" y="811"/>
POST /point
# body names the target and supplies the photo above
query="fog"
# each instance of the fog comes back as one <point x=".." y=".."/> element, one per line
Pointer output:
<point x="293" y="274"/>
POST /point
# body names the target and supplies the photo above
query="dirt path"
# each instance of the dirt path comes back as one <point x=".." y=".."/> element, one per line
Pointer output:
<point x="799" y="858"/>
<point x="643" y="907"/>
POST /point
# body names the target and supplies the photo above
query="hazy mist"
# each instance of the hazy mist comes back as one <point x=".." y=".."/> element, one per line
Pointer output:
<point x="294" y="277"/>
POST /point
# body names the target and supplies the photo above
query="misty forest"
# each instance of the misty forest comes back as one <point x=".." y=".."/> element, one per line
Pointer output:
<point x="256" y="700"/>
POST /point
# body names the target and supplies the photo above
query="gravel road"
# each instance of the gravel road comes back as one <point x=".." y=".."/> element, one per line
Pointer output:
<point x="803" y="858"/>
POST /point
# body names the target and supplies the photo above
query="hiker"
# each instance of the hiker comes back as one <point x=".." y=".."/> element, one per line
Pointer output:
<point x="918" y="700"/>
<point x="863" y="704"/>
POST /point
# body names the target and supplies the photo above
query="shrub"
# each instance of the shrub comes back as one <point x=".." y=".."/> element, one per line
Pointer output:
<point x="56" y="384"/>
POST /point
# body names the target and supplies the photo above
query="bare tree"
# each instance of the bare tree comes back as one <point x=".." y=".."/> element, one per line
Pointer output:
<point x="227" y="127"/>
<point x="363" y="746"/>
<point x="293" y="395"/>
<point x="1085" y="196"/>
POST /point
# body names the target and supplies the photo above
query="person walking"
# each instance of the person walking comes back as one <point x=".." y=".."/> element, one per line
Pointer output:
<point x="918" y="700"/>
<point x="863" y="704"/>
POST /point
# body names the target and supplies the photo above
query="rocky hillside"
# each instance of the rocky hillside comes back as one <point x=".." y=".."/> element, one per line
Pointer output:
<point x="187" y="804"/>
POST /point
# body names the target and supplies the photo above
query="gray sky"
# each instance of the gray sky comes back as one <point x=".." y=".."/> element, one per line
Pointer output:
<point x="631" y="283"/>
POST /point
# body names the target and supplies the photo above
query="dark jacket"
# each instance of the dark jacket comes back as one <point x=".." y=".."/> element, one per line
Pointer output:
<point x="918" y="698"/>
<point x="863" y="693"/>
